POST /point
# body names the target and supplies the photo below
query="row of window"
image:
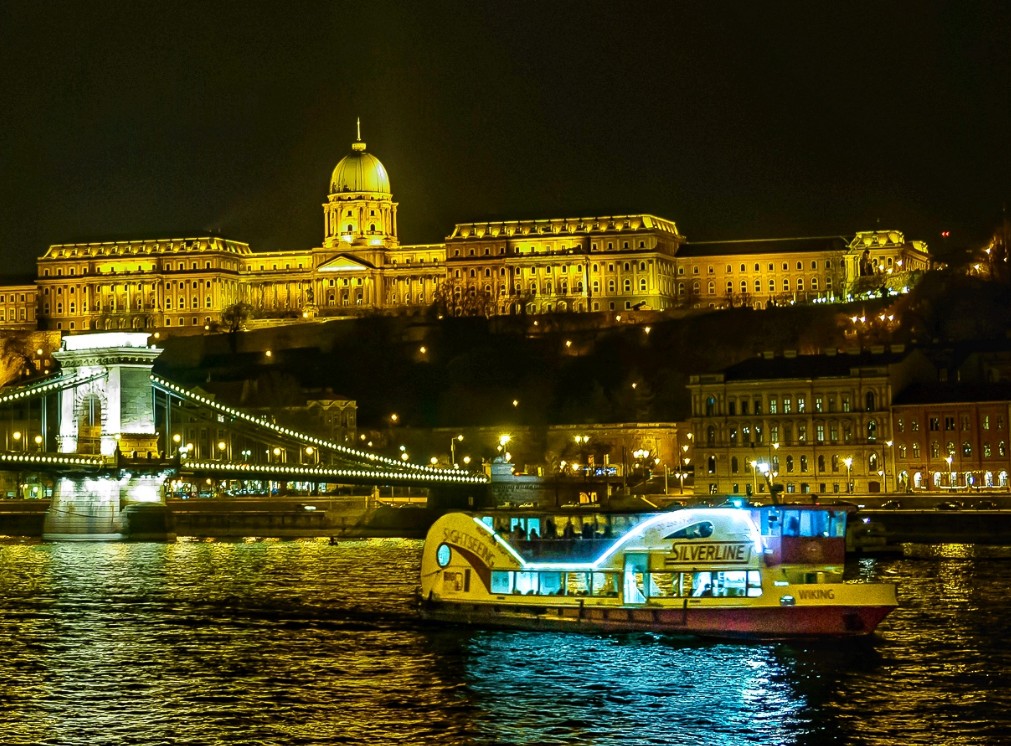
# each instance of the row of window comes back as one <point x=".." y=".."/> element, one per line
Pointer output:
<point x="964" y="422"/>
<point x="696" y="286"/>
<point x="533" y="249"/>
<point x="950" y="449"/>
<point x="784" y="404"/>
<point x="607" y="584"/>
<point x="790" y="464"/>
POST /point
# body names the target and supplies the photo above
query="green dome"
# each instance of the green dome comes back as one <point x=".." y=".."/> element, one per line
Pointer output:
<point x="360" y="172"/>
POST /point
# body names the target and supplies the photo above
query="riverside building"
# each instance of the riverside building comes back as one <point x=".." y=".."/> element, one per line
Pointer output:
<point x="595" y="263"/>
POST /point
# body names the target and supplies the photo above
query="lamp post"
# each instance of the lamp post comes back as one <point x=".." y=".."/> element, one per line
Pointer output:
<point x="503" y="441"/>
<point x="452" y="450"/>
<point x="950" y="477"/>
<point x="895" y="468"/>
<point x="17" y="440"/>
<point x="848" y="461"/>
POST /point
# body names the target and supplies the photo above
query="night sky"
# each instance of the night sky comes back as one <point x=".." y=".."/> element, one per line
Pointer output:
<point x="741" y="120"/>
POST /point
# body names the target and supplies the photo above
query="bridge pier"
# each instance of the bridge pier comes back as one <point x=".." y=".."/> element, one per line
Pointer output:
<point x="111" y="411"/>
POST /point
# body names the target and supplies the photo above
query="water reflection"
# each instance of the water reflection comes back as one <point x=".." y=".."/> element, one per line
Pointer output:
<point x="307" y="643"/>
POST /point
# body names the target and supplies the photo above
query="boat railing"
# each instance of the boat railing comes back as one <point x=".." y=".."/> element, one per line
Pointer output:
<point x="562" y="548"/>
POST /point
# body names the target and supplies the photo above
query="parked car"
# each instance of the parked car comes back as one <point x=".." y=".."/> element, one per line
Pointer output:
<point x="891" y="505"/>
<point x="949" y="505"/>
<point x="986" y="505"/>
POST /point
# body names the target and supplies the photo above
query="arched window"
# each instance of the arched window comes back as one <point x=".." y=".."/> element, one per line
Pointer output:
<point x="872" y="430"/>
<point x="710" y="406"/>
<point x="711" y="465"/>
<point x="966" y="448"/>
<point x="869" y="399"/>
<point x="789" y="464"/>
<point x="733" y="464"/>
<point x="872" y="462"/>
<point x="821" y="463"/>
<point x="803" y="464"/>
<point x="710" y="436"/>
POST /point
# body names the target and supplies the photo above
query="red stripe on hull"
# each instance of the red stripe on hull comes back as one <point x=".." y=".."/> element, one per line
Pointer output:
<point x="758" y="623"/>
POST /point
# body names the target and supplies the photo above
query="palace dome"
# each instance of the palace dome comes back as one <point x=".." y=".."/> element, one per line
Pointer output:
<point x="359" y="172"/>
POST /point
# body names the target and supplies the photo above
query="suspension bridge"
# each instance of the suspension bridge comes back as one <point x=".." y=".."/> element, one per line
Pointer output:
<point x="114" y="439"/>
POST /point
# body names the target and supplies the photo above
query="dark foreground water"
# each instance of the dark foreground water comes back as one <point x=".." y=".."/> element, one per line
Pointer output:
<point x="306" y="643"/>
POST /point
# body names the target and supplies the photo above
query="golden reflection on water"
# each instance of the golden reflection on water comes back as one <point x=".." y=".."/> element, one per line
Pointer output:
<point x="304" y="642"/>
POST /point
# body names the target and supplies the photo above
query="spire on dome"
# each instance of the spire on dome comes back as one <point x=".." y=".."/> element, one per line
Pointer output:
<point x="358" y="146"/>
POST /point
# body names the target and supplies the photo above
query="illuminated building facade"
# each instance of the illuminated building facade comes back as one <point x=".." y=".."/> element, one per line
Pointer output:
<point x="580" y="264"/>
<point x="817" y="424"/>
<point x="18" y="304"/>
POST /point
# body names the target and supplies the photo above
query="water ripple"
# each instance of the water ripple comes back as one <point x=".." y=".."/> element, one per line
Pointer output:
<point x="308" y="643"/>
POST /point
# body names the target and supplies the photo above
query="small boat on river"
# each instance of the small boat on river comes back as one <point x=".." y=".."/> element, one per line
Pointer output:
<point x="751" y="572"/>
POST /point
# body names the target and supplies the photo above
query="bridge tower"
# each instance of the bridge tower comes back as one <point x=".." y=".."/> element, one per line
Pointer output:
<point x="111" y="412"/>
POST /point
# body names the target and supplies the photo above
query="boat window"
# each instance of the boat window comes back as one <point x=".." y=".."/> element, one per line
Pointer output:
<point x="664" y="584"/>
<point x="488" y="521"/>
<point x="578" y="583"/>
<point x="701" y="530"/>
<point x="605" y="584"/>
<point x="812" y="523"/>
<point x="729" y="584"/>
<point x="501" y="581"/>
<point x="551" y="584"/>
<point x="525" y="583"/>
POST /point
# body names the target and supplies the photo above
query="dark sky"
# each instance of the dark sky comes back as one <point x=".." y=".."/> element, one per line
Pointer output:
<point x="738" y="120"/>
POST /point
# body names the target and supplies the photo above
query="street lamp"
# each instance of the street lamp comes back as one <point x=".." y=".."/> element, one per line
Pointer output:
<point x="452" y="449"/>
<point x="848" y="461"/>
<point x="946" y="458"/>
<point x="895" y="467"/>
<point x="17" y="440"/>
<point x="222" y="446"/>
<point x="38" y="442"/>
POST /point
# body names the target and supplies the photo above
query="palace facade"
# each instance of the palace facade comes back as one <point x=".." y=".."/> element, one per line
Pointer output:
<point x="579" y="264"/>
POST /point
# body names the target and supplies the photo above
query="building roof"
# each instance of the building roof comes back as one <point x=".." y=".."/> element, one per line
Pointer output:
<point x="938" y="393"/>
<point x="790" y="366"/>
<point x="201" y="244"/>
<point x="764" y="246"/>
<point x="563" y="226"/>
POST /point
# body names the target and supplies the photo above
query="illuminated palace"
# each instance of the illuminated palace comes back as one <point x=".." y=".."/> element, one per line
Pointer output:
<point x="581" y="264"/>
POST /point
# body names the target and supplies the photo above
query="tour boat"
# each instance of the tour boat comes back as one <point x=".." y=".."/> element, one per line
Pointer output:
<point x="769" y="572"/>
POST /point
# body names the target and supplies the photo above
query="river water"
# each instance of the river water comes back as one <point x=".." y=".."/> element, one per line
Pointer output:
<point x="302" y="642"/>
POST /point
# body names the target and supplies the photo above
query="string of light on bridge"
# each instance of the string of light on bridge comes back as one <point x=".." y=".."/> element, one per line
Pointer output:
<point x="451" y="475"/>
<point x="47" y="386"/>
<point x="24" y="458"/>
<point x="238" y="470"/>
